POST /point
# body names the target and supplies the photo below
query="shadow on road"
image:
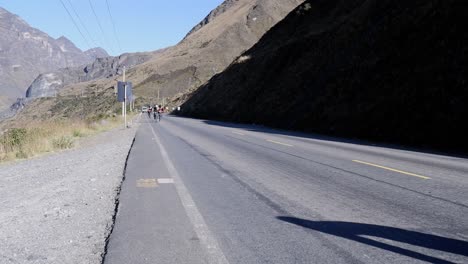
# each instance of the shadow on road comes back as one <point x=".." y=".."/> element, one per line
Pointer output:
<point x="357" y="231"/>
<point x="299" y="135"/>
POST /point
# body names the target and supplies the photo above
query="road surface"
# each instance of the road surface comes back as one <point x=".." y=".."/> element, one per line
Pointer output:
<point x="210" y="192"/>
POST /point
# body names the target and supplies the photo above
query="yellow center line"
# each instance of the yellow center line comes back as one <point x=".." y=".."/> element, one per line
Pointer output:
<point x="390" y="169"/>
<point x="238" y="133"/>
<point x="279" y="143"/>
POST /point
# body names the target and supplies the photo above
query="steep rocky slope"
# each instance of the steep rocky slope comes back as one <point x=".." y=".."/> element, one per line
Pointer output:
<point x="26" y="52"/>
<point x="210" y="47"/>
<point x="393" y="71"/>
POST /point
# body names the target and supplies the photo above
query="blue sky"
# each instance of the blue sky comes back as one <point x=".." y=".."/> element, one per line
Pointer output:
<point x="141" y="25"/>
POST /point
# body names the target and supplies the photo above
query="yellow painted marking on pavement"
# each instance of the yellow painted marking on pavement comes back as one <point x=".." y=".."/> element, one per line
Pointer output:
<point x="395" y="170"/>
<point x="280" y="143"/>
<point x="146" y="183"/>
<point x="238" y="133"/>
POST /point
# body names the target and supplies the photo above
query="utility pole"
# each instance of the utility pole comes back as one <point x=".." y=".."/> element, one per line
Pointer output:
<point x="125" y="100"/>
<point x="123" y="103"/>
<point x="159" y="102"/>
<point x="132" y="100"/>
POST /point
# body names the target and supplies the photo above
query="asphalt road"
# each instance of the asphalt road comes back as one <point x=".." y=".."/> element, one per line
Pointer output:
<point x="210" y="192"/>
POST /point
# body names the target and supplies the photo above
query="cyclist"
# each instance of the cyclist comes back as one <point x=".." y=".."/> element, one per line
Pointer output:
<point x="156" y="113"/>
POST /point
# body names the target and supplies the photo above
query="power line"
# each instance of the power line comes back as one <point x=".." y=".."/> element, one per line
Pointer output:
<point x="113" y="26"/>
<point x="100" y="27"/>
<point x="81" y="22"/>
<point x="74" y="22"/>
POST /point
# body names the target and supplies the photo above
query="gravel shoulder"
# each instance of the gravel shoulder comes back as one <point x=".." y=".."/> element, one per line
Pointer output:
<point x="59" y="208"/>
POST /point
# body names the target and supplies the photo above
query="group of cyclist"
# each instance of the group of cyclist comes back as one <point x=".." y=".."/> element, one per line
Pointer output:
<point x="157" y="111"/>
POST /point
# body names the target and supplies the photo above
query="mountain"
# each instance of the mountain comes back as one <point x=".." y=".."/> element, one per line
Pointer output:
<point x="384" y="70"/>
<point x="25" y="52"/>
<point x="207" y="49"/>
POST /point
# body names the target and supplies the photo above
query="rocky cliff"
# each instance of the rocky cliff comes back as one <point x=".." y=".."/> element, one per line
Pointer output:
<point x="25" y="52"/>
<point x="385" y="70"/>
<point x="51" y="83"/>
<point x="225" y="6"/>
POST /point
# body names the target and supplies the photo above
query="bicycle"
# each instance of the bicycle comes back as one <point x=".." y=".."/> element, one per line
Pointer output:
<point x="157" y="116"/>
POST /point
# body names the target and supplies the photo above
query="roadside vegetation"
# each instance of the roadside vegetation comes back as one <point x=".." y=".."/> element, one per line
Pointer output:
<point x="49" y="136"/>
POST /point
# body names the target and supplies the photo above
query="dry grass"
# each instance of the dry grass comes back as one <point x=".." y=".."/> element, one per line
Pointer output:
<point x="42" y="137"/>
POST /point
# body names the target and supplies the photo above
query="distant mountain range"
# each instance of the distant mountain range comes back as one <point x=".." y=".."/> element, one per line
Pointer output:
<point x="50" y="83"/>
<point x="26" y="52"/>
<point x="385" y="70"/>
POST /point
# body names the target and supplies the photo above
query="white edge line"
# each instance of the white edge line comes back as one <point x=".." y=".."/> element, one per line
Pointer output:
<point x="165" y="180"/>
<point x="207" y="239"/>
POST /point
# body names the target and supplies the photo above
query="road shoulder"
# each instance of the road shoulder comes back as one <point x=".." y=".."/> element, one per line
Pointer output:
<point x="59" y="208"/>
